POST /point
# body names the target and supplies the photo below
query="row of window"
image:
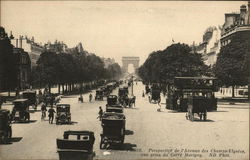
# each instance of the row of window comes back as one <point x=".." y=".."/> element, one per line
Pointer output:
<point x="225" y="42"/>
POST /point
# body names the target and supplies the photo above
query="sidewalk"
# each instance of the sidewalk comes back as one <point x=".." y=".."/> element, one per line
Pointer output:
<point x="13" y="93"/>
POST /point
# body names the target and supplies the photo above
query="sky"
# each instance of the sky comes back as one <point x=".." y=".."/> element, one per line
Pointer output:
<point x="115" y="28"/>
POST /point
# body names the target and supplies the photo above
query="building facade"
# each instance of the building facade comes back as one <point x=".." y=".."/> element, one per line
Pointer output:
<point x="23" y="63"/>
<point x="236" y="24"/>
<point x="30" y="46"/>
<point x="210" y="45"/>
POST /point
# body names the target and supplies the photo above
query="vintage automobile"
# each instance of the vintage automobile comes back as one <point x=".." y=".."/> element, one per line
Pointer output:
<point x="123" y="92"/>
<point x="114" y="108"/>
<point x="196" y="87"/>
<point x="99" y="94"/>
<point x="20" y="110"/>
<point x="77" y="145"/>
<point x="155" y="95"/>
<point x="131" y="101"/>
<point x="5" y="125"/>
<point x="63" y="114"/>
<point x="112" y="100"/>
<point x="113" y="125"/>
<point x="123" y="95"/>
<point x="32" y="97"/>
<point x="105" y="91"/>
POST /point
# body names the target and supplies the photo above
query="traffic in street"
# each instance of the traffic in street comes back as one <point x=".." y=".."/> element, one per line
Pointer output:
<point x="151" y="130"/>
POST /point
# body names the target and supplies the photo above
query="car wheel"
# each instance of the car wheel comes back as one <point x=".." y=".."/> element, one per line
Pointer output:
<point x="101" y="143"/>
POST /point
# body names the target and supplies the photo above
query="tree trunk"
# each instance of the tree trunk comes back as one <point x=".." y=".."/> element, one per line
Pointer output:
<point x="233" y="91"/>
<point x="63" y="88"/>
<point x="249" y="90"/>
<point x="49" y="88"/>
<point x="59" y="90"/>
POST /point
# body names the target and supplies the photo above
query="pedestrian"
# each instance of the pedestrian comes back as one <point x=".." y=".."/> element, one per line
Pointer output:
<point x="80" y="98"/>
<point x="1" y="102"/>
<point x="143" y="95"/>
<point x="159" y="101"/>
<point x="90" y="97"/>
<point x="178" y="102"/>
<point x="51" y="114"/>
<point x="43" y="109"/>
<point x="100" y="113"/>
<point x="149" y="98"/>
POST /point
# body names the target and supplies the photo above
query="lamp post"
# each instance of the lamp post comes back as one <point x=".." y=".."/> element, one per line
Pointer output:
<point x="132" y="85"/>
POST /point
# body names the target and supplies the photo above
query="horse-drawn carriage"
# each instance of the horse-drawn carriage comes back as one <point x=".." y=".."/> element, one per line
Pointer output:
<point x="20" y="110"/>
<point x="76" y="145"/>
<point x="63" y="114"/>
<point x="113" y="125"/>
<point x="5" y="125"/>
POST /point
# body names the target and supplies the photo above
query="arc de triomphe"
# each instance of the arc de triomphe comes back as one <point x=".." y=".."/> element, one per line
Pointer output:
<point x="130" y="60"/>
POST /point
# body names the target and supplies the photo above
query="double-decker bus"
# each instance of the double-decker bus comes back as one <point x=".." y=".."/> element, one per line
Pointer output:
<point x="197" y="87"/>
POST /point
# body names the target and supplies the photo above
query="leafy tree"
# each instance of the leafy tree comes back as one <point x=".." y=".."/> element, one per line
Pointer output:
<point x="231" y="66"/>
<point x="175" y="60"/>
<point x="47" y="66"/>
<point x="7" y="62"/>
<point x="114" y="71"/>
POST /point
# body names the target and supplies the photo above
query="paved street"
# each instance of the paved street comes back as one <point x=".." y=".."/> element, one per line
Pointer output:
<point x="147" y="131"/>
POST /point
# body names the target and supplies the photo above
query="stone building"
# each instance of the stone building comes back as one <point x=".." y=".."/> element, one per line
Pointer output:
<point x="236" y="24"/>
<point x="57" y="47"/>
<point x="23" y="63"/>
<point x="29" y="45"/>
<point x="210" y="45"/>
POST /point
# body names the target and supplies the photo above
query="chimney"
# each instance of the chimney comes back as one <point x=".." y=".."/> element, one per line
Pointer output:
<point x="20" y="39"/>
<point x="16" y="43"/>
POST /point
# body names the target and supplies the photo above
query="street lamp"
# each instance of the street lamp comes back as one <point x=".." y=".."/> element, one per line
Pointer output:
<point x="132" y="85"/>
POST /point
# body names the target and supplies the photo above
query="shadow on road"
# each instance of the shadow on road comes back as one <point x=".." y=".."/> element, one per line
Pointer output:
<point x="131" y="108"/>
<point x="12" y="140"/>
<point x="33" y="111"/>
<point x="69" y="96"/>
<point x="70" y="123"/>
<point x="25" y="122"/>
<point x="173" y="111"/>
<point x="236" y="107"/>
<point x="123" y="147"/>
<point x="198" y="120"/>
<point x="218" y="111"/>
<point x="129" y="132"/>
